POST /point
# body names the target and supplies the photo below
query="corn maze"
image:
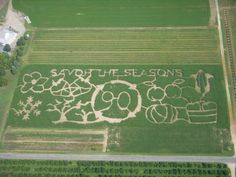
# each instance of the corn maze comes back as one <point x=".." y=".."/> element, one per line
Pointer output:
<point x="120" y="77"/>
<point x="109" y="97"/>
<point x="117" y="100"/>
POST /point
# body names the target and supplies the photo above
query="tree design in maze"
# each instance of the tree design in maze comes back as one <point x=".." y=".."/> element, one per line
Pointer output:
<point x="115" y="95"/>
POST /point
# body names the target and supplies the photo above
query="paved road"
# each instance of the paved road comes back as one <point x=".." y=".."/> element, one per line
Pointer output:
<point x="118" y="158"/>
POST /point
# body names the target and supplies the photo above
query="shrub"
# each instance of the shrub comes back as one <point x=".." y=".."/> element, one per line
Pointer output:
<point x="26" y="36"/>
<point x="13" y="70"/>
<point x="20" y="41"/>
<point x="21" y="48"/>
<point x="19" y="52"/>
<point x="18" y="58"/>
<point x="3" y="82"/>
<point x="5" y="61"/>
<point x="15" y="63"/>
<point x="7" y="48"/>
<point x="2" y="71"/>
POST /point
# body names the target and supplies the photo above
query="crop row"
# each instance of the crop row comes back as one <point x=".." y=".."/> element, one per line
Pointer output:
<point x="104" y="169"/>
<point x="105" y="46"/>
<point x="53" y="137"/>
<point x="129" y="57"/>
<point x="53" y="147"/>
<point x="228" y="33"/>
<point x="119" y="35"/>
<point x="128" y="46"/>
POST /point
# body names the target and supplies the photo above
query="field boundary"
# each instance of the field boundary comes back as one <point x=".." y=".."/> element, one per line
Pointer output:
<point x="230" y="108"/>
<point x="231" y="52"/>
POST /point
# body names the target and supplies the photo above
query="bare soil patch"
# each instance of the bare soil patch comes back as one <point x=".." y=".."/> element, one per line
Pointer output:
<point x="213" y="16"/>
<point x="3" y="2"/>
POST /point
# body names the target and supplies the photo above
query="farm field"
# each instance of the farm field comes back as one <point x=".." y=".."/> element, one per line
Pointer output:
<point x="33" y="168"/>
<point x="115" y="13"/>
<point x="116" y="46"/>
<point x="120" y="77"/>
<point x="59" y="108"/>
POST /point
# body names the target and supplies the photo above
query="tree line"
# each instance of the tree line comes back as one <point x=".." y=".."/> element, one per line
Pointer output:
<point x="11" y="60"/>
<point x="51" y="168"/>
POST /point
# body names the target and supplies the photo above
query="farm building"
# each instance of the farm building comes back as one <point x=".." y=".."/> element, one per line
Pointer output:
<point x="7" y="36"/>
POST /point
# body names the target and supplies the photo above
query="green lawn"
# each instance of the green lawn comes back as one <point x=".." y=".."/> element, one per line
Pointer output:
<point x="169" y="110"/>
<point x="6" y="94"/>
<point x="115" y="13"/>
<point x="125" y="46"/>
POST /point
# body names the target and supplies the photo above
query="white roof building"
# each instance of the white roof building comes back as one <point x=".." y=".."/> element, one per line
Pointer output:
<point x="7" y="37"/>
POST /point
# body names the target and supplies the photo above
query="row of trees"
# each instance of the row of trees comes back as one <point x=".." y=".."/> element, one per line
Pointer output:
<point x="11" y="62"/>
<point x="17" y="168"/>
<point x="61" y="163"/>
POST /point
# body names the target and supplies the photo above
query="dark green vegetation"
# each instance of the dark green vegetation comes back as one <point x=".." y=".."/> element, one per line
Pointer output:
<point x="233" y="25"/>
<point x="147" y="132"/>
<point x="33" y="168"/>
<point x="101" y="46"/>
<point x="7" y="48"/>
<point x="5" y="64"/>
<point x="11" y="62"/>
<point x="115" y="13"/>
<point x="234" y="28"/>
<point x="9" y="65"/>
